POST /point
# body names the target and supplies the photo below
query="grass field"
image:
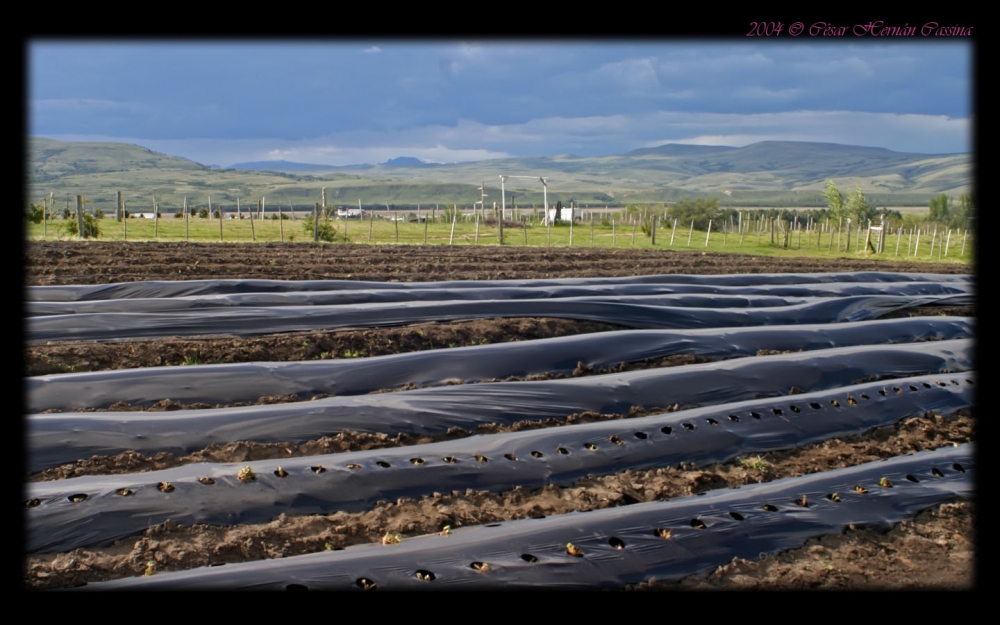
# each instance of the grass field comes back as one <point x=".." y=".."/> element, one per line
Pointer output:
<point x="384" y="231"/>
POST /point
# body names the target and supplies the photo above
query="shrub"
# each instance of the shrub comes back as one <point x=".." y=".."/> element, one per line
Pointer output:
<point x="35" y="213"/>
<point x="90" y="227"/>
<point x="327" y="231"/>
<point x="203" y="213"/>
<point x="98" y="213"/>
<point x="179" y="214"/>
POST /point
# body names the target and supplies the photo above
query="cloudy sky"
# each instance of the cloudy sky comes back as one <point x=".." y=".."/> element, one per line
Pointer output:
<point x="357" y="101"/>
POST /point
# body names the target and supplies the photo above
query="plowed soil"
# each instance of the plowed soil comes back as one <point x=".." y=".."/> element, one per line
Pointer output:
<point x="935" y="550"/>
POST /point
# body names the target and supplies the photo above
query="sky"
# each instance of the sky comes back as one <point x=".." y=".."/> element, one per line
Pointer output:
<point x="343" y="102"/>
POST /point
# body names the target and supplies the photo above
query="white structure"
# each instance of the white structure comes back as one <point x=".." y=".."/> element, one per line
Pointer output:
<point x="565" y="215"/>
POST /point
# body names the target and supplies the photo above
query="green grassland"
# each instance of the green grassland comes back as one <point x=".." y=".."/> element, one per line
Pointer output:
<point x="382" y="231"/>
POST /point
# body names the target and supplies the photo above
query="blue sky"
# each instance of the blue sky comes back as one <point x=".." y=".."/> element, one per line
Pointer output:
<point x="358" y="101"/>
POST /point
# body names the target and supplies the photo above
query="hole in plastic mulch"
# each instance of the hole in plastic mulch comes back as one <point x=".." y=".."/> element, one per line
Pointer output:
<point x="481" y="458"/>
<point x="641" y="435"/>
<point x="712" y="422"/>
<point x="616" y="440"/>
<point x="958" y="467"/>
<point x="207" y="481"/>
<point x="912" y="478"/>
<point x="698" y="524"/>
<point x="814" y="405"/>
<point x="562" y="450"/>
<point x="536" y="454"/>
<point x="734" y="418"/>
<point x="666" y="429"/>
<point x="776" y="411"/>
<point x="510" y="456"/>
<point x="481" y="566"/>
<point x="424" y="575"/>
<point x="794" y="408"/>
<point x="383" y="464"/>
<point x="281" y="472"/>
<point x="590" y="446"/>
<point x="77" y="498"/>
<point x="616" y="542"/>
<point x="31" y="503"/>
<point x="936" y="472"/>
<point x="662" y="532"/>
<point x="354" y="467"/>
<point x="527" y="557"/>
<point x="755" y="415"/>
<point x="165" y="487"/>
<point x="417" y="461"/>
<point x="450" y="459"/>
<point x="366" y="584"/>
<point x="687" y="426"/>
<point x="770" y="508"/>
<point x="318" y="469"/>
<point x="736" y="515"/>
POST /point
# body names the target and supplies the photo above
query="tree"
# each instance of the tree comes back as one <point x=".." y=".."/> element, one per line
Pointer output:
<point x="558" y="213"/>
<point x="858" y="207"/>
<point x="966" y="212"/>
<point x="834" y="200"/>
<point x="940" y="210"/>
<point x="701" y="211"/>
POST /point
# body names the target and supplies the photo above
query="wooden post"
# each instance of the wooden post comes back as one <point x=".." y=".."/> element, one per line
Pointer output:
<point x="371" y="224"/>
<point x="395" y="220"/>
<point x="899" y="235"/>
<point x="477" y="229"/>
<point x="316" y="223"/>
<point x="614" y="242"/>
<point x="425" y="229"/>
<point x="156" y="219"/>
<point x="187" y="219"/>
<point x="635" y="224"/>
<point x="916" y="246"/>
<point x="253" y="235"/>
<point x="79" y="217"/>
<point x="120" y="207"/>
<point x="571" y="220"/>
<point x="281" y="226"/>
<point x="501" y="224"/>
<point x="454" y="218"/>
<point x="591" y="230"/>
<point x="690" y="233"/>
<point x="725" y="231"/>
<point x="947" y="242"/>
<point x="964" y="237"/>
<point x="652" y="231"/>
<point x="933" y="237"/>
<point x="45" y="216"/>
<point x="709" y="233"/>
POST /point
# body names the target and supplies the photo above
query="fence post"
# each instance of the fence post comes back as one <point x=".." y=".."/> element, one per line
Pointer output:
<point x="964" y="237"/>
<point x="652" y="231"/>
<point x="395" y="220"/>
<point x="156" y="219"/>
<point x="425" y="230"/>
<point x="281" y="226"/>
<point x="454" y="218"/>
<point x="253" y="234"/>
<point x="79" y="217"/>
<point x="316" y="223"/>
<point x="187" y="219"/>
<point x="709" y="233"/>
<point x="124" y="222"/>
<point x="119" y="208"/>
<point x="690" y="233"/>
<point x="371" y="224"/>
<point x="571" y="220"/>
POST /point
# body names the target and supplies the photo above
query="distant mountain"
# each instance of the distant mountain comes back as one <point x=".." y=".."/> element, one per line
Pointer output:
<point x="283" y="166"/>
<point x="756" y="174"/>
<point x="680" y="149"/>
<point x="407" y="161"/>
